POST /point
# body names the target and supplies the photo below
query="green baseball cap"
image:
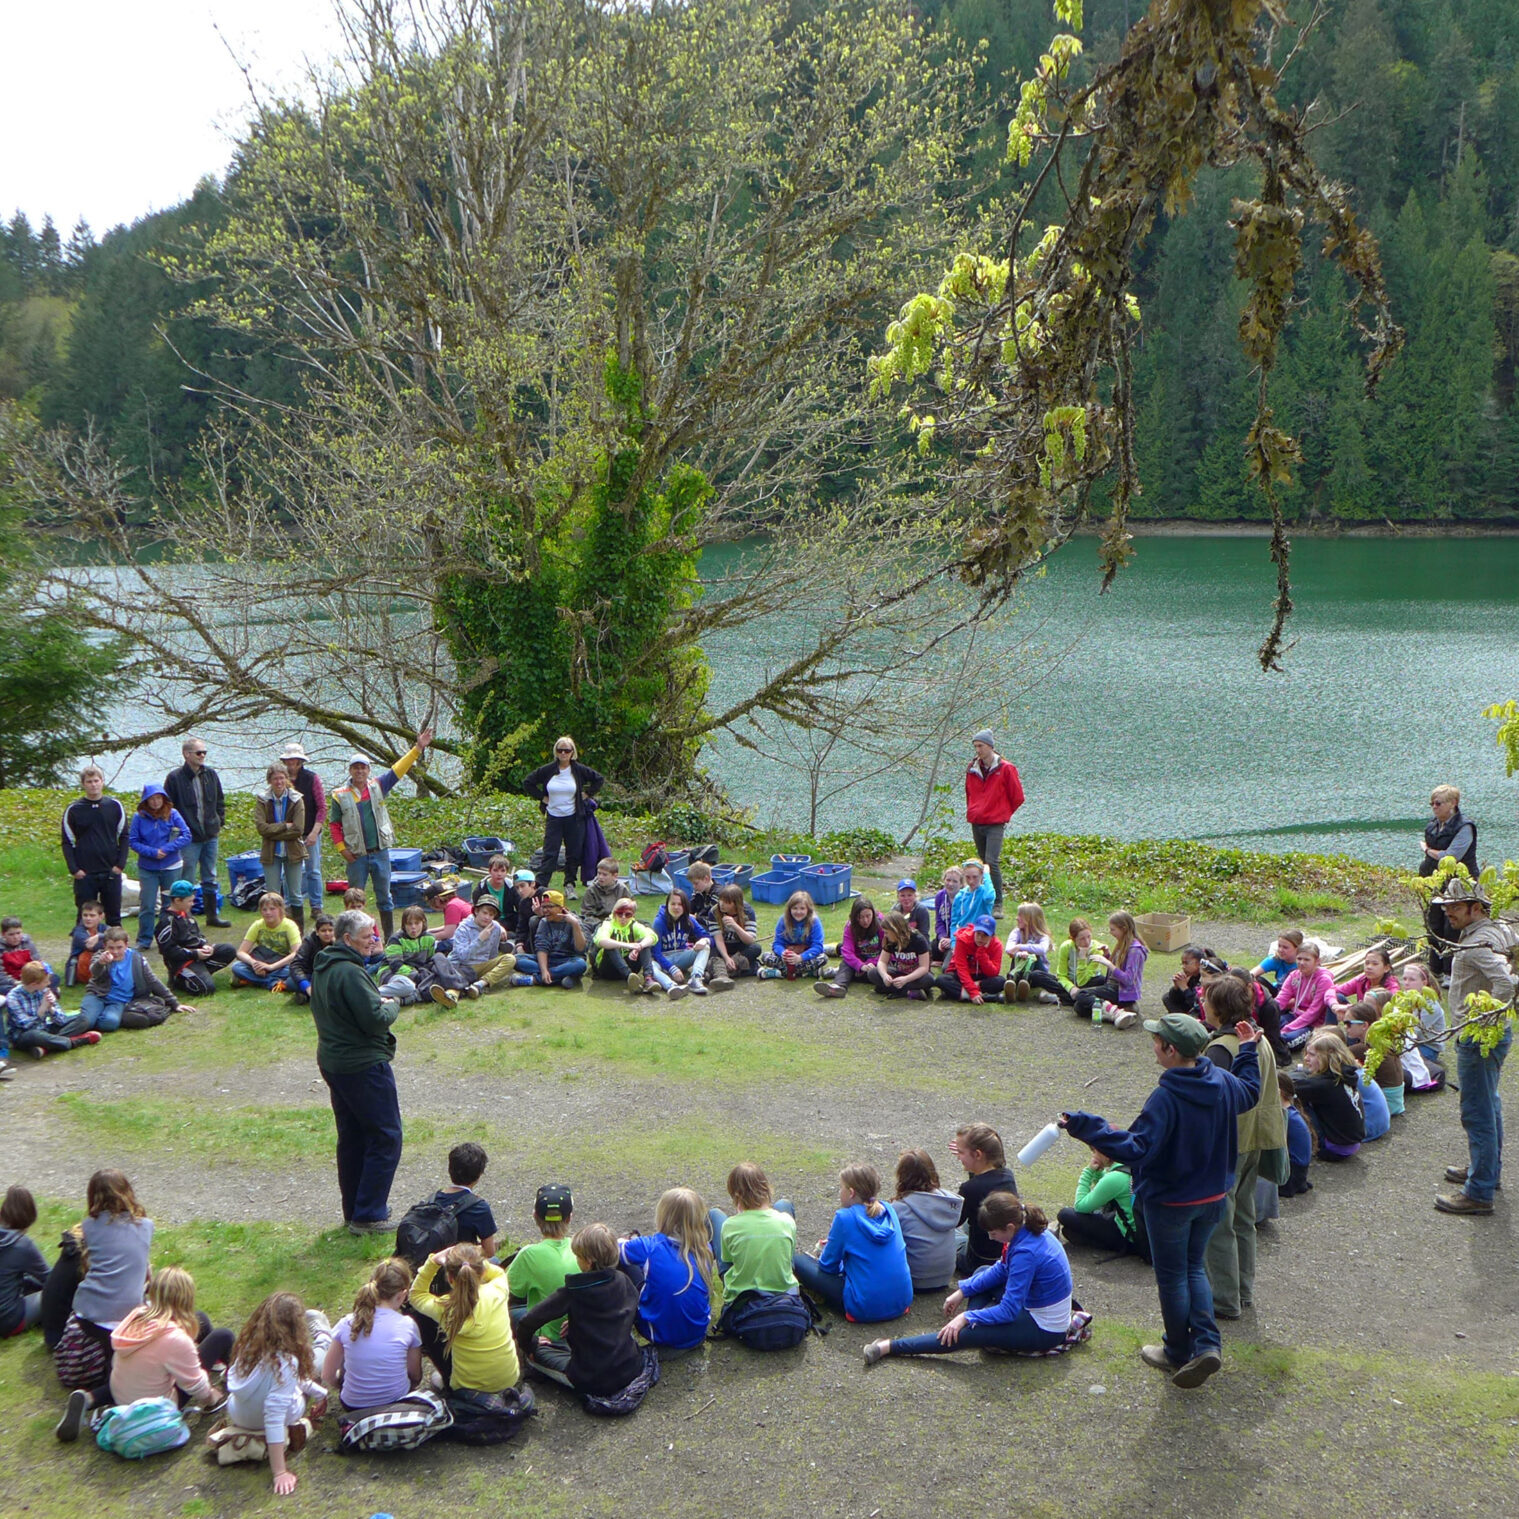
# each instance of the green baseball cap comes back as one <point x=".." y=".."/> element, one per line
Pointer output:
<point x="1177" y="1029"/>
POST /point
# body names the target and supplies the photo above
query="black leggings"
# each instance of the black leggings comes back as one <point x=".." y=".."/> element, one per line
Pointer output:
<point x="1043" y="981"/>
<point x="1088" y="996"/>
<point x="1094" y="1229"/>
<point x="570" y="832"/>
<point x="951" y="990"/>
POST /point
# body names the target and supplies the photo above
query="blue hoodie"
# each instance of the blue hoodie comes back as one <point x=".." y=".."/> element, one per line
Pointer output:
<point x="969" y="905"/>
<point x="676" y="935"/>
<point x="871" y="1255"/>
<point x="808" y="939"/>
<point x="149" y="835"/>
<point x="1184" y="1146"/>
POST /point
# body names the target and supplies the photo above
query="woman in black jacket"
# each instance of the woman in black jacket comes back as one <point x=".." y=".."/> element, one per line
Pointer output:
<point x="560" y="789"/>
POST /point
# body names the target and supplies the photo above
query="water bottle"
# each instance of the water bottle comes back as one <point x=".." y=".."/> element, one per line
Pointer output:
<point x="1039" y="1144"/>
<point x="1097" y="1014"/>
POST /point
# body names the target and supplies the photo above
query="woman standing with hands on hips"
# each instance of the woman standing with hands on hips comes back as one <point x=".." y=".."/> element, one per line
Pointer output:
<point x="561" y="789"/>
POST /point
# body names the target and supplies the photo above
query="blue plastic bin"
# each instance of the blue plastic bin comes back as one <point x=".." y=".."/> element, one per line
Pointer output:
<point x="743" y="875"/>
<point x="774" y="886"/>
<point x="724" y="875"/>
<point x="407" y="860"/>
<point x="243" y="867"/>
<point x="678" y="857"/>
<point x="406" y="888"/>
<point x="682" y="880"/>
<point x="827" y="884"/>
<point x="790" y="861"/>
<point x="480" y="848"/>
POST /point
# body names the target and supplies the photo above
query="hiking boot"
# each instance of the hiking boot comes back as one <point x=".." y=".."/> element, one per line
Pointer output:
<point x="1009" y="993"/>
<point x="721" y="982"/>
<point x="1155" y="1355"/>
<point x="676" y="992"/>
<point x="635" y="981"/>
<point x="368" y="1226"/>
<point x="1198" y="1369"/>
<point x="475" y="990"/>
<point x="828" y="988"/>
<point x="1459" y="1202"/>
<point x="1458" y="1174"/>
<point x="67" y="1428"/>
<point x="875" y="1351"/>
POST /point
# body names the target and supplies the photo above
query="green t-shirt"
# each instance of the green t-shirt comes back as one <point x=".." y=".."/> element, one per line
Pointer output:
<point x="277" y="942"/>
<point x="758" y="1245"/>
<point x="539" y="1269"/>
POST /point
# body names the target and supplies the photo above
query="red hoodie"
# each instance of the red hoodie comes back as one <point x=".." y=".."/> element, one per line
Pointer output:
<point x="994" y="796"/>
<point x="971" y="961"/>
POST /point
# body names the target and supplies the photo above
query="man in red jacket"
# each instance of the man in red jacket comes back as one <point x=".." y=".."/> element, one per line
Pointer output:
<point x="993" y="793"/>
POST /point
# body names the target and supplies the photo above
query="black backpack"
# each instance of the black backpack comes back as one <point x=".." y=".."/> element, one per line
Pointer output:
<point x="488" y="1418"/>
<point x="428" y="1227"/>
<point x="768" y="1320"/>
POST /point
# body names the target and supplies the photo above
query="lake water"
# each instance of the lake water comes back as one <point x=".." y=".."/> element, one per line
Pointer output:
<point x="1150" y="717"/>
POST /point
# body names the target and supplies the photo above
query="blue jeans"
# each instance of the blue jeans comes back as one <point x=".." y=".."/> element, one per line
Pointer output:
<point x="105" y="1017"/>
<point x="152" y="882"/>
<point x="1179" y="1247"/>
<point x="716" y="1218"/>
<point x="810" y="1276"/>
<point x="284" y="876"/>
<point x="368" y="1116"/>
<point x="374" y="867"/>
<point x="202" y="855"/>
<point x="1482" y="1114"/>
<point x="265" y="979"/>
<point x="311" y="875"/>
<point x="1022" y="1334"/>
<point x="569" y="965"/>
<point x="692" y="961"/>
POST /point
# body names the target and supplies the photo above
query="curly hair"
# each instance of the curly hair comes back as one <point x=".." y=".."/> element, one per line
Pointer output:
<point x="276" y="1328"/>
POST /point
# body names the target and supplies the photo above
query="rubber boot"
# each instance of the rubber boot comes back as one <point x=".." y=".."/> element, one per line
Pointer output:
<point x="298" y="914"/>
<point x="387" y="923"/>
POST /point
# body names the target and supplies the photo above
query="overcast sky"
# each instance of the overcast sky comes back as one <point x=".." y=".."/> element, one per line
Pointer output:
<point x="110" y="109"/>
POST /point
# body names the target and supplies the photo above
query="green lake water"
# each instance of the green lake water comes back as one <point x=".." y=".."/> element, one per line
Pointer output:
<point x="1154" y="720"/>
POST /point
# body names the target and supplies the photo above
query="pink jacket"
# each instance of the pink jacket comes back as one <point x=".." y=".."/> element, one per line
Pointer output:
<point x="1356" y="988"/>
<point x="1307" y="998"/>
<point x="151" y="1360"/>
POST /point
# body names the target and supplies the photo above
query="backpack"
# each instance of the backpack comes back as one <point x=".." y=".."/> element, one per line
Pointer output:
<point x="654" y="858"/>
<point x="767" y="1320"/>
<point x="627" y="1400"/>
<point x="247" y="891"/>
<point x="143" y="1428"/>
<point x="145" y="1012"/>
<point x="488" y="1418"/>
<point x="428" y="1227"/>
<point x="403" y="1425"/>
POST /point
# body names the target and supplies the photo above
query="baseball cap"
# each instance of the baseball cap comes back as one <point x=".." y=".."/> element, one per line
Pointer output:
<point x="524" y="875"/>
<point x="1177" y="1029"/>
<point x="444" y="886"/>
<point x="987" y="924"/>
<point x="554" y="1204"/>
<point x="357" y="759"/>
<point x="182" y="889"/>
<point x="485" y="899"/>
<point x="907" y="884"/>
<point x="554" y="898"/>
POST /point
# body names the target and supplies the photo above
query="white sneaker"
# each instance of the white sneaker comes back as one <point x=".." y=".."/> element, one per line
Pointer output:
<point x="698" y="988"/>
<point x="1049" y="999"/>
<point x="1122" y="1018"/>
<point x="676" y="992"/>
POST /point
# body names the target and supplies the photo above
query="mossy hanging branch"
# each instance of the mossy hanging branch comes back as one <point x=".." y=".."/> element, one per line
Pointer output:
<point x="1030" y="351"/>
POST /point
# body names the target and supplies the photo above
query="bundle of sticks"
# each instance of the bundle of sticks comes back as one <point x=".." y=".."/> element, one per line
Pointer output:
<point x="1401" y="951"/>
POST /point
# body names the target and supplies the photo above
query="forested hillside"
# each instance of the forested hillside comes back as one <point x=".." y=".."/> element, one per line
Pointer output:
<point x="1418" y="108"/>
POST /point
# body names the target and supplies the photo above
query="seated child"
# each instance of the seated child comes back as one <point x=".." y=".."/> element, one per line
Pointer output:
<point x="1374" y="1106"/>
<point x="602" y="895"/>
<point x="862" y="1271"/>
<point x="17" y="950"/>
<point x="978" y="1147"/>
<point x="23" y="1267"/>
<point x="1182" y="996"/>
<point x="675" y="1273"/>
<point x="1103" y="1216"/>
<point x="354" y="900"/>
<point x="36" y="1022"/>
<point x="756" y="1244"/>
<point x="683" y="949"/>
<point x="972" y="973"/>
<point x="625" y="951"/>
<point x="1116" y="996"/>
<point x="929" y="1215"/>
<point x="734" y="935"/>
<point x="482" y="951"/>
<point x="1277" y="966"/>
<point x="442" y="895"/>
<point x="1355" y="1023"/>
<point x="270" y="945"/>
<point x="1377" y="976"/>
<point x="1020" y="1303"/>
<point x="472" y="1214"/>
<point x="416" y="954"/>
<point x="189" y="958"/>
<point x="273" y="1374"/>
<point x="903" y="969"/>
<point x="496" y="885"/>
<point x="1306" y="998"/>
<point x="859" y="949"/>
<point x="85" y="938"/>
<point x="941" y="942"/>
<point x="120" y="974"/>
<point x="375" y="1356"/>
<point x="597" y="1355"/>
<point x="1416" y="978"/>
<point x="559" y="946"/>
<point x="1299" y="1139"/>
<point x="479" y="1353"/>
<point x="1267" y="1015"/>
<point x="1028" y="952"/>
<point x="522" y="922"/>
<point x="797" y="949"/>
<point x="703" y="893"/>
<point x="1076" y="965"/>
<point x="298" y="977"/>
<point x="540" y="1268"/>
<point x="165" y="1349"/>
<point x="1328" y="1088"/>
<point x="913" y="910"/>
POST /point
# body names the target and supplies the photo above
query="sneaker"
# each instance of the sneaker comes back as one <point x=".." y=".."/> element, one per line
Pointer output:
<point x="1459" y="1202"/>
<point x="1049" y="999"/>
<point x="1124" y="1019"/>
<point x="720" y="983"/>
<point x="1025" y="991"/>
<point x="443" y="997"/>
<point x="635" y="981"/>
<point x="524" y="981"/>
<point x="90" y="1036"/>
<point x="875" y="1350"/>
<point x="570" y="983"/>
<point x="7" y="1071"/>
<point x="67" y="1428"/>
<point x="828" y="988"/>
<point x="767" y="973"/>
<point x="301" y="999"/>
<point x="475" y="990"/>
<point x="1155" y="1355"/>
<point x="698" y="987"/>
<point x="1198" y="1369"/>
<point x="1009" y="992"/>
<point x="914" y="995"/>
<point x="278" y="986"/>
<point x="676" y="992"/>
<point x="317" y="1322"/>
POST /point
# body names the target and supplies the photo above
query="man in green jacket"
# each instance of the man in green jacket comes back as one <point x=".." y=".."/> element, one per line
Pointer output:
<point x="354" y="1049"/>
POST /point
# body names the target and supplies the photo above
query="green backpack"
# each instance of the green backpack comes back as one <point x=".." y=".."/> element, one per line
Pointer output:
<point x="143" y="1428"/>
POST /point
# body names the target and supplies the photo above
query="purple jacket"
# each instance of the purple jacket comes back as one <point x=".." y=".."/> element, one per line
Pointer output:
<point x="1130" y="974"/>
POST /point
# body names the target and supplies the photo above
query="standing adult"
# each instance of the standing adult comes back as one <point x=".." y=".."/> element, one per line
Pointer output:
<point x="361" y="826"/>
<point x="993" y="793"/>
<point x="279" y="814"/>
<point x="1447" y="835"/>
<point x="354" y="1050"/>
<point x="305" y="780"/>
<point x="195" y="793"/>
<point x="561" y="788"/>
<point x="1480" y="963"/>
<point x="1182" y="1152"/>
<point x="95" y="845"/>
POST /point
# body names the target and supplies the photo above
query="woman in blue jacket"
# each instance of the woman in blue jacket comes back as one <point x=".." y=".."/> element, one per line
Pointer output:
<point x="1021" y="1302"/>
<point x="157" y="835"/>
<point x="863" y="1271"/>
